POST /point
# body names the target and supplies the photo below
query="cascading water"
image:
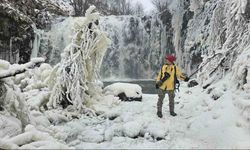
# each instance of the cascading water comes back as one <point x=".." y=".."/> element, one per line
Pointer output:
<point x="137" y="50"/>
<point x="50" y="44"/>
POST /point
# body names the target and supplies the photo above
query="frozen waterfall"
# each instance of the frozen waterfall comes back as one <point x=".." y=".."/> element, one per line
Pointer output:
<point x="137" y="50"/>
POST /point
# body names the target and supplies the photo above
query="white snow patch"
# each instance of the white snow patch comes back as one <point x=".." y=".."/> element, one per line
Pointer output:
<point x="132" y="129"/>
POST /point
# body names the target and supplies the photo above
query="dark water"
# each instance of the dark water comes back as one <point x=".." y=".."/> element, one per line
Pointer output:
<point x="148" y="85"/>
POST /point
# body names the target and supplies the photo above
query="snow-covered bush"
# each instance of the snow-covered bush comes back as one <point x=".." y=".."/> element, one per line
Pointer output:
<point x="75" y="80"/>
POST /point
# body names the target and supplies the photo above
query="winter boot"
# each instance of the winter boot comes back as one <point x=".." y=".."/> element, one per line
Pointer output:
<point x="173" y="113"/>
<point x="159" y="114"/>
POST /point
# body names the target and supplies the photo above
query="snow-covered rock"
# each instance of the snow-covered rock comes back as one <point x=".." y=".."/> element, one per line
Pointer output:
<point x="132" y="129"/>
<point x="125" y="91"/>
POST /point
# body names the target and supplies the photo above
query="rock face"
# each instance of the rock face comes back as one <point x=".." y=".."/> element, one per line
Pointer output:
<point x="213" y="35"/>
<point x="17" y="22"/>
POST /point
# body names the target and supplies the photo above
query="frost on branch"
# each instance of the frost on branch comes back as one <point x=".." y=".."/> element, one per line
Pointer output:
<point x="75" y="79"/>
<point x="238" y="7"/>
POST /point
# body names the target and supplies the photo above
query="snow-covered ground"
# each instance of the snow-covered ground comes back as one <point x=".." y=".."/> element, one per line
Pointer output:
<point x="213" y="118"/>
<point x="202" y="122"/>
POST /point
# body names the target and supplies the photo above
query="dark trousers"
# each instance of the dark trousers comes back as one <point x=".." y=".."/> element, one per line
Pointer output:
<point x="161" y="96"/>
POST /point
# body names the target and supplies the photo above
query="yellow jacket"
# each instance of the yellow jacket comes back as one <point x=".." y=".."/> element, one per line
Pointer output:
<point x="169" y="83"/>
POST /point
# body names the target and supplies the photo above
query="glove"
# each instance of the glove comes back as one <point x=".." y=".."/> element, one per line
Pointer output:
<point x="186" y="79"/>
<point x="158" y="84"/>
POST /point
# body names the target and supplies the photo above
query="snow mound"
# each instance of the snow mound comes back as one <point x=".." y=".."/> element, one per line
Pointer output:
<point x="9" y="126"/>
<point x="114" y="130"/>
<point x="38" y="119"/>
<point x="131" y="90"/>
<point x="91" y="136"/>
<point x="158" y="130"/>
<point x="132" y="129"/>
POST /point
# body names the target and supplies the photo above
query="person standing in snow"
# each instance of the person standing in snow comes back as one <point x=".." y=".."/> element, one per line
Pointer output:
<point x="166" y="82"/>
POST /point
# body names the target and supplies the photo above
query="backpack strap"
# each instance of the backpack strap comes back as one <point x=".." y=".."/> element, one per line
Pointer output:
<point x="161" y="72"/>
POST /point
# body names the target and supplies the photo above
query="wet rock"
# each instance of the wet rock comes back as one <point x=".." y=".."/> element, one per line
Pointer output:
<point x="122" y="96"/>
<point x="193" y="83"/>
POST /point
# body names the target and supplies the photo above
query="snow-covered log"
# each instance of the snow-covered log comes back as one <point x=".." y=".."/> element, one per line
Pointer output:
<point x="17" y="69"/>
<point x="75" y="79"/>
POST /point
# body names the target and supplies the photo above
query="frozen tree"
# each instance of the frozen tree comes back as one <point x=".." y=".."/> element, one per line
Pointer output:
<point x="196" y="5"/>
<point x="126" y="7"/>
<point x="75" y="79"/>
<point x="138" y="9"/>
<point x="120" y="7"/>
<point x="114" y="7"/>
<point x="160" y="5"/>
<point x="80" y="6"/>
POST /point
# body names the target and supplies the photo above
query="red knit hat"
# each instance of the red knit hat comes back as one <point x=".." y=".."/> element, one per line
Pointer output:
<point x="170" y="58"/>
